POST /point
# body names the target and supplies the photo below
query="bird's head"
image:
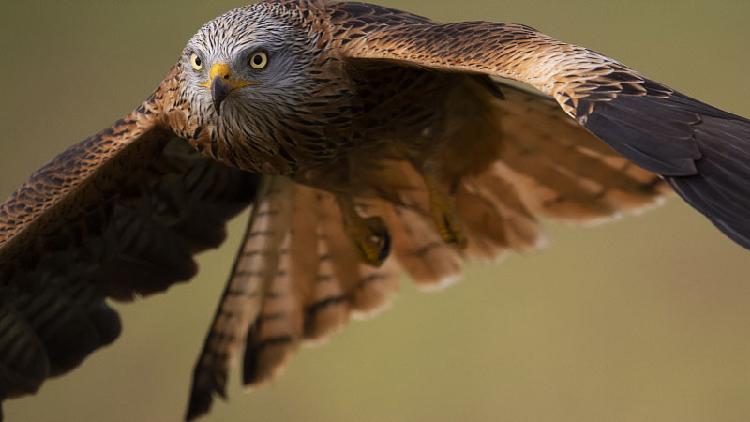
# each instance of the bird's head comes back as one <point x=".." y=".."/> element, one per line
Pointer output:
<point x="246" y="66"/>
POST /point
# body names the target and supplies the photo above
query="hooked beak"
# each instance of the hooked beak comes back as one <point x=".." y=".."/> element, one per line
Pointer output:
<point x="222" y="84"/>
<point x="219" y="91"/>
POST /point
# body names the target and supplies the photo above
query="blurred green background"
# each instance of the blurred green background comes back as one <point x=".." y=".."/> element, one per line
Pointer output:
<point x="647" y="319"/>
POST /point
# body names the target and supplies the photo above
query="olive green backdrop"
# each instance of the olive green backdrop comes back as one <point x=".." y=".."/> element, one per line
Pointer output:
<point x="646" y="319"/>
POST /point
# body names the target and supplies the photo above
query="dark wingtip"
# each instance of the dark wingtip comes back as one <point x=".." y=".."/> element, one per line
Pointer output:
<point x="703" y="152"/>
<point x="207" y="384"/>
<point x="199" y="404"/>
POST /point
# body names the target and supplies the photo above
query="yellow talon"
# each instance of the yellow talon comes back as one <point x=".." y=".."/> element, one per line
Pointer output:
<point x="443" y="213"/>
<point x="369" y="235"/>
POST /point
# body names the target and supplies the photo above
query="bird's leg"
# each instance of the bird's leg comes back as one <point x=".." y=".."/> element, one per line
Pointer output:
<point x="442" y="207"/>
<point x="369" y="235"/>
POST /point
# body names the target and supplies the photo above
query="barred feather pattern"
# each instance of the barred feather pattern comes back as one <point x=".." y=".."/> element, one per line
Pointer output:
<point x="297" y="279"/>
<point x="308" y="281"/>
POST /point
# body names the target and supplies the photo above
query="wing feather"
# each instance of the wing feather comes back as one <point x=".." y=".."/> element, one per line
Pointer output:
<point x="297" y="280"/>
<point x="118" y="215"/>
<point x="700" y="150"/>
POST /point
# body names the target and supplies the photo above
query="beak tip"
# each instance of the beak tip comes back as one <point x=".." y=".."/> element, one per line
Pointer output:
<point x="219" y="92"/>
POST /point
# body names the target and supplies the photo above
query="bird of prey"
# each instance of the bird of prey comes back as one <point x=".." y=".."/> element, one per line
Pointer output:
<point x="368" y="142"/>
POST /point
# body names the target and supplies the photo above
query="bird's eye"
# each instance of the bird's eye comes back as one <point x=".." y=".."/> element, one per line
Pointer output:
<point x="196" y="62"/>
<point x="258" y="60"/>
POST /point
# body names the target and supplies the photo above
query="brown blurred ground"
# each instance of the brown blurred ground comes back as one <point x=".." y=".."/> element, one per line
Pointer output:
<point x="647" y="319"/>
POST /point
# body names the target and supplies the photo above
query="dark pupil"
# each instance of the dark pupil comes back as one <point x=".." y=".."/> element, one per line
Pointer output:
<point x="198" y="61"/>
<point x="258" y="60"/>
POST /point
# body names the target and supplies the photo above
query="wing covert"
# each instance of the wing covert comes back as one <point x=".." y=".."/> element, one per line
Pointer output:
<point x="118" y="215"/>
<point x="701" y="151"/>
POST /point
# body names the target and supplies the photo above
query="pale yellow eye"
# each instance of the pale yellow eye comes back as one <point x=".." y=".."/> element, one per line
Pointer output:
<point x="258" y="60"/>
<point x="196" y="62"/>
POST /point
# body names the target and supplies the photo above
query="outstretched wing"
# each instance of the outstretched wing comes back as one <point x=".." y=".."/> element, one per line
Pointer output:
<point x="119" y="215"/>
<point x="703" y="152"/>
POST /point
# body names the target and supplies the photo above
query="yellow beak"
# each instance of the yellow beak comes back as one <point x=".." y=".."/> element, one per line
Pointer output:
<point x="222" y="84"/>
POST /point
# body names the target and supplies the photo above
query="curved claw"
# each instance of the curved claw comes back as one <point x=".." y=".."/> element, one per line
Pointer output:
<point x="372" y="240"/>
<point x="369" y="235"/>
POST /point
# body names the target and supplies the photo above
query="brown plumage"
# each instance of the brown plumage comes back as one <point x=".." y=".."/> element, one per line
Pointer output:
<point x="370" y="142"/>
